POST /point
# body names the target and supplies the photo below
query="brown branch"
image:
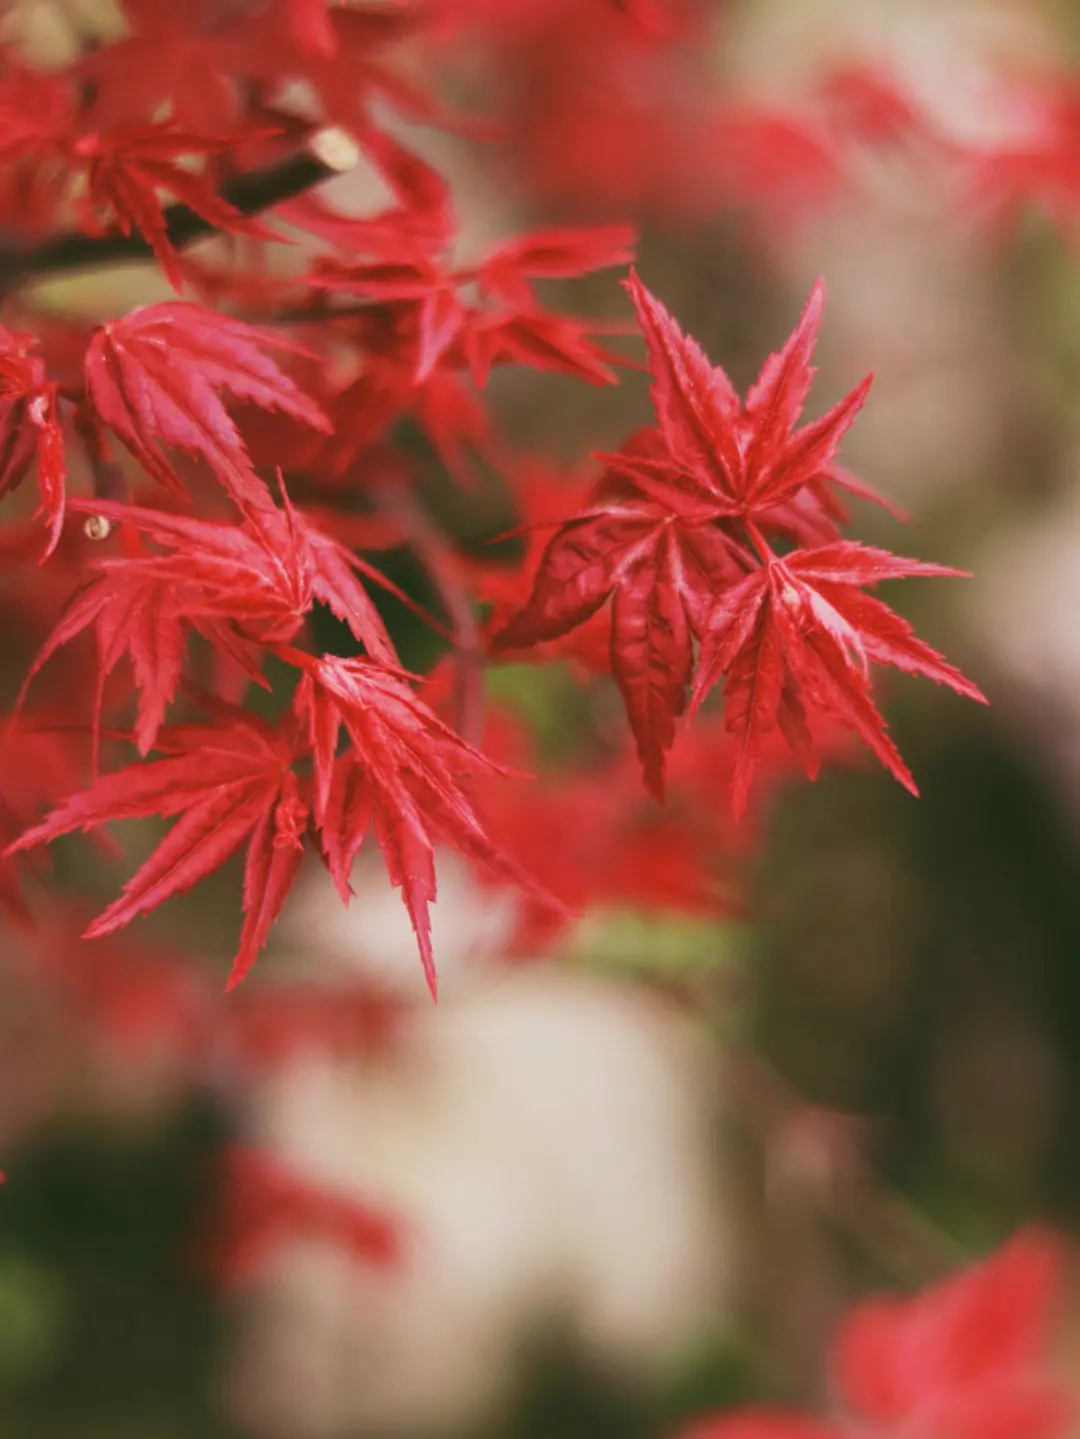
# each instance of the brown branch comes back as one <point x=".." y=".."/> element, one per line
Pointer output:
<point x="833" y="1177"/>
<point x="327" y="153"/>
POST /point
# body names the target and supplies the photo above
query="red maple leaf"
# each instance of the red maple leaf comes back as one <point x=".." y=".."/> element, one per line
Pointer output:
<point x="400" y="776"/>
<point x="507" y="324"/>
<point x="231" y="783"/>
<point x="239" y="586"/>
<point x="747" y="459"/>
<point x="543" y="497"/>
<point x="266" y="1205"/>
<point x="965" y="1359"/>
<point x="659" y="564"/>
<point x="801" y="632"/>
<point x="675" y="533"/>
<point x="126" y="167"/>
<point x="155" y="376"/>
<point x="166" y="58"/>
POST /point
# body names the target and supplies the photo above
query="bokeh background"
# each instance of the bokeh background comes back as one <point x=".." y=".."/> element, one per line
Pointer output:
<point x="640" y="1178"/>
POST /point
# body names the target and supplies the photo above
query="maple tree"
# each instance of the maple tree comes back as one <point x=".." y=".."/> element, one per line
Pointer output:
<point x="205" y="499"/>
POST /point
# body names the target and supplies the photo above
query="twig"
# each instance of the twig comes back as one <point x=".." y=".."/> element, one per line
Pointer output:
<point x="327" y="153"/>
<point x="843" y="1187"/>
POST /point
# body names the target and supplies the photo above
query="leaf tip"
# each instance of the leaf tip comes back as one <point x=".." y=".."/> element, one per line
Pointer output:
<point x="432" y="978"/>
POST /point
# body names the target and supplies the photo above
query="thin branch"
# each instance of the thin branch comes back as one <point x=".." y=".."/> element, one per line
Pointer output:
<point x="840" y="1185"/>
<point x="250" y="193"/>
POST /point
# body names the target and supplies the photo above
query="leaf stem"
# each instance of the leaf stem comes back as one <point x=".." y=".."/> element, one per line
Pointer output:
<point x="432" y="550"/>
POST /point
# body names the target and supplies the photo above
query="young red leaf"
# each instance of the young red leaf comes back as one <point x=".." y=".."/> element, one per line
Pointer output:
<point x="239" y="586"/>
<point x="552" y="254"/>
<point x="696" y="405"/>
<point x="132" y="613"/>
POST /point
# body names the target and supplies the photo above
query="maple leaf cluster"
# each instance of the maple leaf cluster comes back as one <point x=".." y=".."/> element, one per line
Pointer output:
<point x="234" y="459"/>
<point x="681" y="535"/>
<point x="220" y="472"/>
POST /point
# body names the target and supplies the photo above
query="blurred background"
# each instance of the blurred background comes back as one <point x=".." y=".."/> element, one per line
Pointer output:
<point x="633" y="1171"/>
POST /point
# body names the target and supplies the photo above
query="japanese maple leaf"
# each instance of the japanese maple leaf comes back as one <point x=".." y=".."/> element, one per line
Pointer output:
<point x="400" y="226"/>
<point x="264" y="573"/>
<point x="743" y="459"/>
<point x="659" y="564"/>
<point x="1039" y="161"/>
<point x="156" y="375"/>
<point x="125" y="168"/>
<point x="400" y="776"/>
<point x="267" y="1205"/>
<point x="557" y="344"/>
<point x="552" y="254"/>
<point x="239" y="586"/>
<point x="171" y="54"/>
<point x="543" y="499"/>
<point x="132" y="613"/>
<point x="965" y="1359"/>
<point x="675" y="535"/>
<point x="800" y="633"/>
<point x="508" y="325"/>
<point x="231" y="783"/>
<point x="30" y="432"/>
